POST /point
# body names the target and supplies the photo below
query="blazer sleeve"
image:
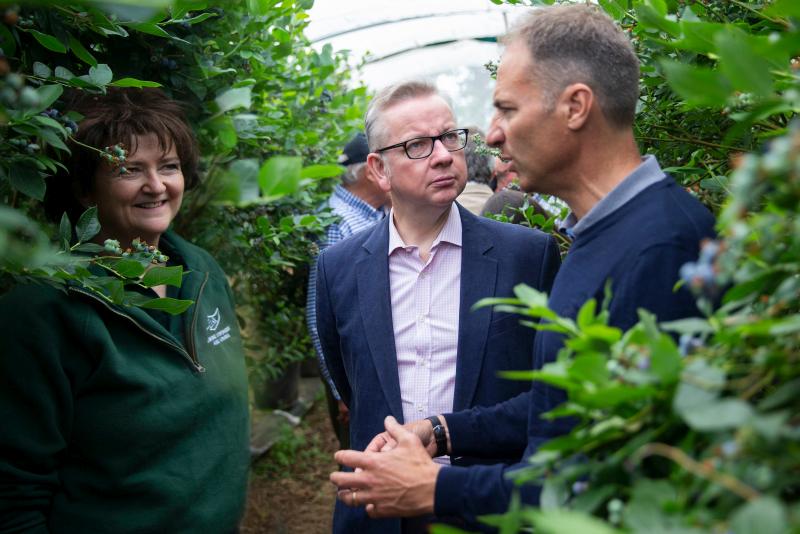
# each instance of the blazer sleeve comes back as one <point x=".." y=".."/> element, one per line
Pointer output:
<point x="329" y="335"/>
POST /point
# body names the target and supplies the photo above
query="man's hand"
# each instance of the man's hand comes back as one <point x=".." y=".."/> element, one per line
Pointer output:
<point x="423" y="429"/>
<point x="398" y="482"/>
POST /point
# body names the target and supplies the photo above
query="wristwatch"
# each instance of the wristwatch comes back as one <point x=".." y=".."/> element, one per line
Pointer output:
<point x="439" y="434"/>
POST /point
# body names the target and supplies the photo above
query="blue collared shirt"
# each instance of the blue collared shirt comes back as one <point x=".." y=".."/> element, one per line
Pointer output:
<point x="356" y="215"/>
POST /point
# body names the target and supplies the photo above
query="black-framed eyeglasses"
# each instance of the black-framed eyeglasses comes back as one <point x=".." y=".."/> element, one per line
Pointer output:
<point x="422" y="147"/>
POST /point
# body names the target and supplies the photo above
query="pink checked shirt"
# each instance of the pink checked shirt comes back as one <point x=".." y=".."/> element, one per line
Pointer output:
<point x="425" y="312"/>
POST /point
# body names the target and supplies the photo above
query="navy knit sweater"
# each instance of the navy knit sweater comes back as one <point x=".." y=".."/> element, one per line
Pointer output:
<point x="640" y="247"/>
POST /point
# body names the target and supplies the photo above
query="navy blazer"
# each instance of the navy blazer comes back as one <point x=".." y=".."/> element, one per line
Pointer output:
<point x="354" y="320"/>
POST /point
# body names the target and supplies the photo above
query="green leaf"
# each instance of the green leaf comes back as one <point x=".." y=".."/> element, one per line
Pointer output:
<point x="63" y="73"/>
<point x="124" y="267"/>
<point x="279" y="176"/>
<point x="168" y="305"/>
<point x="199" y="18"/>
<point x="665" y="360"/>
<point x="157" y="276"/>
<point x="7" y="41"/>
<point x="783" y="8"/>
<point x="239" y="97"/>
<point x="224" y="131"/>
<point x="51" y="138"/>
<point x="88" y="226"/>
<point x="81" y="52"/>
<point x="688" y="326"/>
<point x="586" y="313"/>
<point x="150" y="28"/>
<point x="720" y="415"/>
<point x="90" y="248"/>
<point x="781" y="396"/>
<point x="259" y="7"/>
<point x="246" y="173"/>
<point x="561" y="521"/>
<point x="645" y="510"/>
<point x="655" y="17"/>
<point x="64" y="231"/>
<point x="607" y="334"/>
<point x="321" y="171"/>
<point x="100" y="75"/>
<point x="699" y="36"/>
<point x="41" y="70"/>
<point x="27" y="180"/>
<point x="47" y="95"/>
<point x="133" y="82"/>
<point x="699" y="387"/>
<point x="786" y="326"/>
<point x="698" y="86"/>
<point x="760" y="516"/>
<point x="554" y="493"/>
<point x="741" y="64"/>
<point x="589" y="367"/>
<point x="49" y="42"/>
<point x="530" y="297"/>
<point x="612" y="396"/>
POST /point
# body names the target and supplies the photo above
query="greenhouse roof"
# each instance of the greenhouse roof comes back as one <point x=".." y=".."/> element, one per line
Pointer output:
<point x="447" y="43"/>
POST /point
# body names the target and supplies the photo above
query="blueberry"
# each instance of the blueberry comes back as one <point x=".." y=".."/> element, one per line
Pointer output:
<point x="579" y="487"/>
<point x="15" y="80"/>
<point x="28" y="97"/>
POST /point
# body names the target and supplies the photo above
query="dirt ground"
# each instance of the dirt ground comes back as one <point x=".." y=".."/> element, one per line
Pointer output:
<point x="289" y="488"/>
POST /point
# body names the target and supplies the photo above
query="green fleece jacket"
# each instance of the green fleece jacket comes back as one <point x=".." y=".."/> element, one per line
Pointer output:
<point x="110" y="423"/>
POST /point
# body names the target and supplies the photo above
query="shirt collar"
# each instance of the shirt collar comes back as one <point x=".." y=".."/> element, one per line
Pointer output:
<point x="341" y="194"/>
<point x="450" y="232"/>
<point x="646" y="174"/>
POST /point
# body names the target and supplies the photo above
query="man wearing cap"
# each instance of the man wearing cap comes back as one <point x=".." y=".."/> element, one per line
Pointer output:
<point x="394" y="303"/>
<point x="360" y="203"/>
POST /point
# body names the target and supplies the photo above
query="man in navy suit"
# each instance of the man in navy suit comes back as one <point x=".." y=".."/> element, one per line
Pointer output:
<point x="565" y="100"/>
<point x="394" y="301"/>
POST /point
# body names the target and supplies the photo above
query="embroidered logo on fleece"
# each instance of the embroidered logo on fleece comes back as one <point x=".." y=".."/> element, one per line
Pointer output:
<point x="213" y="324"/>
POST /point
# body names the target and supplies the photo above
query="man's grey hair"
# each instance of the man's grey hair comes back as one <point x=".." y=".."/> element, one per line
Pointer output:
<point x="479" y="163"/>
<point x="352" y="173"/>
<point x="386" y="98"/>
<point x="580" y="44"/>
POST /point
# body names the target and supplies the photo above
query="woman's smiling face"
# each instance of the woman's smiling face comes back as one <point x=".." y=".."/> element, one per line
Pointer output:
<point x="142" y="201"/>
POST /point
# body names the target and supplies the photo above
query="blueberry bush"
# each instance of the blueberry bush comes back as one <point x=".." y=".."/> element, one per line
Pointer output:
<point x="270" y="115"/>
<point x="692" y="426"/>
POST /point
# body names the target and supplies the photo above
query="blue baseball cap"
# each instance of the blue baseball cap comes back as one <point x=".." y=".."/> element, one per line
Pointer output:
<point x="355" y="151"/>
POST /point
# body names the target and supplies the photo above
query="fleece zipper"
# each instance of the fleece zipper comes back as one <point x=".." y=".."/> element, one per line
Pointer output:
<point x="191" y="359"/>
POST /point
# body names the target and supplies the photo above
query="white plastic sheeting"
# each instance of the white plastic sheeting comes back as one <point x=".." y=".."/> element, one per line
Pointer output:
<point x="445" y="41"/>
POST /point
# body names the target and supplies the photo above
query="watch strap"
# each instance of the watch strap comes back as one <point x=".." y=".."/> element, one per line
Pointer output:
<point x="439" y="435"/>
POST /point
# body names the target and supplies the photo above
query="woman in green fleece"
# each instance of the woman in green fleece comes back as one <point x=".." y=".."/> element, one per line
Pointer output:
<point x="119" y="419"/>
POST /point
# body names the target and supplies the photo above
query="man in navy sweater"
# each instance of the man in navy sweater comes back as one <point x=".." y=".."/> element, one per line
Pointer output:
<point x="565" y="100"/>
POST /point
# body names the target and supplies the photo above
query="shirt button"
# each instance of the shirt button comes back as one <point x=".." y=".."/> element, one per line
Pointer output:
<point x="421" y="319"/>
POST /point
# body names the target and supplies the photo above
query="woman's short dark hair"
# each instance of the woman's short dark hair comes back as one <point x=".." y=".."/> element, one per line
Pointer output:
<point x="119" y="116"/>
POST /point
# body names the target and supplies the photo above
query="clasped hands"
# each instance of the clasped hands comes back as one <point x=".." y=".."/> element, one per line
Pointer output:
<point x="394" y="476"/>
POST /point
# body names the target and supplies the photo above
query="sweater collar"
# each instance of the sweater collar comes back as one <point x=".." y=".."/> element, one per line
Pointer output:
<point x="646" y="174"/>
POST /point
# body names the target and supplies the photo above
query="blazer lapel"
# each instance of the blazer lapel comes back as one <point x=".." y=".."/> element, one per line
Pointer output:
<point x="375" y="304"/>
<point x="478" y="279"/>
